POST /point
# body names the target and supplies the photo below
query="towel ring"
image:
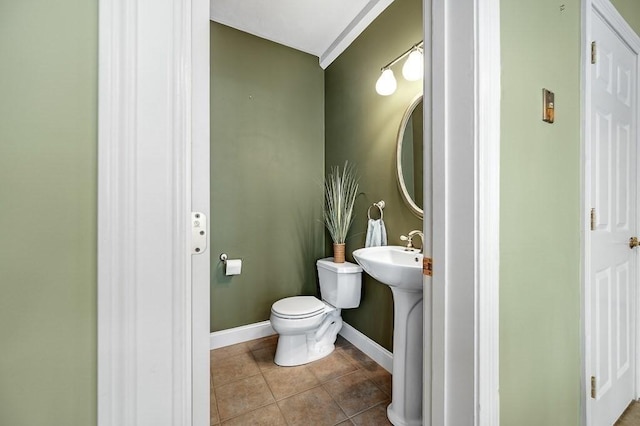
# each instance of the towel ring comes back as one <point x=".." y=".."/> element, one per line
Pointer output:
<point x="380" y="205"/>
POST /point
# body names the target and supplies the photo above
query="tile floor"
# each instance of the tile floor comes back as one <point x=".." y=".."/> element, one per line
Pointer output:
<point x="631" y="416"/>
<point x="345" y="388"/>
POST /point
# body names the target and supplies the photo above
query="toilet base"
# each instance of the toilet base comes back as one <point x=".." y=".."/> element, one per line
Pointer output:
<point x="288" y="353"/>
<point x="306" y="347"/>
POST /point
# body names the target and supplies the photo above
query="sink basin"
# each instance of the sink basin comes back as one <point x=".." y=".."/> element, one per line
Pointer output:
<point x="401" y="270"/>
<point x="394" y="266"/>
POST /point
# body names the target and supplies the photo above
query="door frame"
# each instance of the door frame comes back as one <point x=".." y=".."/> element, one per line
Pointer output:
<point x="607" y="11"/>
<point x="462" y="333"/>
<point x="153" y="136"/>
<point x="153" y="141"/>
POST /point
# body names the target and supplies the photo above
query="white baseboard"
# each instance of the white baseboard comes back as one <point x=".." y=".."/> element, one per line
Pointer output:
<point x="231" y="336"/>
<point x="368" y="346"/>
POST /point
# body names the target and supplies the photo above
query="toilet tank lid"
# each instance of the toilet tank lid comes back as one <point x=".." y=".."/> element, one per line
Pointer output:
<point x="340" y="268"/>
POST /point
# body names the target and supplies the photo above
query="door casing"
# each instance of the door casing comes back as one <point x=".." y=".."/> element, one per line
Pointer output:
<point x="153" y="158"/>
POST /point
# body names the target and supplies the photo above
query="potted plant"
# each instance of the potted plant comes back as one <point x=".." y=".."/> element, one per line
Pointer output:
<point x="340" y="190"/>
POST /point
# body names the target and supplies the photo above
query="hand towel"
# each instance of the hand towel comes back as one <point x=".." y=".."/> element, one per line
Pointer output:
<point x="376" y="233"/>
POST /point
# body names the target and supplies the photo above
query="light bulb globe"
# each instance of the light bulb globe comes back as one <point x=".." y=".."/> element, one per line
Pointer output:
<point x="413" y="67"/>
<point x="386" y="84"/>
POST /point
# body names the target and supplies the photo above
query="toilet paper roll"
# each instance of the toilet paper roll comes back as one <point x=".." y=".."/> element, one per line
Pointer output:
<point x="233" y="266"/>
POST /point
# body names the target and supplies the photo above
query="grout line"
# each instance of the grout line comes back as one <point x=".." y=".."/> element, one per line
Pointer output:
<point x="358" y="365"/>
<point x="215" y="401"/>
<point x="368" y="379"/>
<point x="251" y="411"/>
<point x="235" y="380"/>
<point x="370" y="408"/>
<point x="337" y="403"/>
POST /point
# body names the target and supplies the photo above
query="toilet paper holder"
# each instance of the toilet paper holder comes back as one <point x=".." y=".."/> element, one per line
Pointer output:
<point x="231" y="266"/>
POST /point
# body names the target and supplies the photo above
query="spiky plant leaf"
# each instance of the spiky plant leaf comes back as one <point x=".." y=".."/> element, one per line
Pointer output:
<point x="340" y="190"/>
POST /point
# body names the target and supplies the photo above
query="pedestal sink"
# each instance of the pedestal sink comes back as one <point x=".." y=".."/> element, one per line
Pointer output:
<point x="401" y="270"/>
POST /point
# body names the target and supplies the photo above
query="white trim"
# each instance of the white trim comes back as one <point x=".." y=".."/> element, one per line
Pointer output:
<point x="147" y="370"/>
<point x="584" y="217"/>
<point x="232" y="336"/>
<point x="245" y="333"/>
<point x="116" y="295"/>
<point x="353" y="30"/>
<point x="608" y="12"/>
<point x="368" y="346"/>
<point x="433" y="410"/>
<point x="585" y="200"/>
<point x="611" y="15"/>
<point x="488" y="249"/>
<point x="464" y="289"/>
<point x="200" y="194"/>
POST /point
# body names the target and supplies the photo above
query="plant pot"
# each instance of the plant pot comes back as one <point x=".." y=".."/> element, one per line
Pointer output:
<point x="338" y="253"/>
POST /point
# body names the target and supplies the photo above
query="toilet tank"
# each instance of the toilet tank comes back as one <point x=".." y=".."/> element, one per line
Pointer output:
<point x="340" y="283"/>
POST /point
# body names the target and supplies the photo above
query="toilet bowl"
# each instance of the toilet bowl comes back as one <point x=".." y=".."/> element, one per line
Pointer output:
<point x="308" y="327"/>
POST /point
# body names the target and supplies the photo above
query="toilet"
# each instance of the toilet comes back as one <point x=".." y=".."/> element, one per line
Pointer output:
<point x="308" y="327"/>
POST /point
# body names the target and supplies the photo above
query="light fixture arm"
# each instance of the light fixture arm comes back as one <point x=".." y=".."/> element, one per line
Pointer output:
<point x="418" y="45"/>
<point x="412" y="69"/>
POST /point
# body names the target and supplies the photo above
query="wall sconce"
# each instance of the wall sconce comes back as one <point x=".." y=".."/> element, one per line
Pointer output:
<point x="412" y="70"/>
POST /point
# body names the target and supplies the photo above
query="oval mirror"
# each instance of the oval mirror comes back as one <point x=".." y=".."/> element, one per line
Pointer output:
<point x="409" y="157"/>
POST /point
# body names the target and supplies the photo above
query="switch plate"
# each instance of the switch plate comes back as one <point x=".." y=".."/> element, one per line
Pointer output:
<point x="548" y="106"/>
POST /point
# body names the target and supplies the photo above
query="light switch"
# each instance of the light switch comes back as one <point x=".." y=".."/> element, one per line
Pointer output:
<point x="548" y="106"/>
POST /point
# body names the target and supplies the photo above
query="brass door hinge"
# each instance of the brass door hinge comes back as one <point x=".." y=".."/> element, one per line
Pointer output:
<point x="427" y="266"/>
<point x="593" y="52"/>
<point x="593" y="219"/>
<point x="593" y="387"/>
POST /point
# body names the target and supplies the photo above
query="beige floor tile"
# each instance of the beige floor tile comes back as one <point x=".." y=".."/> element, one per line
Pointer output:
<point x="242" y="396"/>
<point x="342" y="342"/>
<point x="631" y="417"/>
<point x="265" y="416"/>
<point x="378" y="375"/>
<point x="233" y="368"/>
<point x="262" y="343"/>
<point x="245" y="383"/>
<point x="311" y="408"/>
<point x="286" y="381"/>
<point x="355" y="392"/>
<point x="222" y="353"/>
<point x="332" y="366"/>
<point x="354" y="355"/>
<point x="264" y="357"/>
<point x="373" y="416"/>
<point x="213" y="408"/>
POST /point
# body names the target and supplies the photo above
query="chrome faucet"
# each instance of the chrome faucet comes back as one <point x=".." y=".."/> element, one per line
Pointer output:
<point x="409" y="239"/>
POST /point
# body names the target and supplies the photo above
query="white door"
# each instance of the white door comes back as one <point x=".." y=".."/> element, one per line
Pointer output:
<point x="613" y="274"/>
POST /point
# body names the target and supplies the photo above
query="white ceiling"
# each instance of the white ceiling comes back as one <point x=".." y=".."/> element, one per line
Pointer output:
<point x="323" y="28"/>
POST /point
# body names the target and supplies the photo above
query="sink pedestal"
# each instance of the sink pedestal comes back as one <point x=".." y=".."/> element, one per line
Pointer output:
<point x="401" y="269"/>
<point x="406" y="404"/>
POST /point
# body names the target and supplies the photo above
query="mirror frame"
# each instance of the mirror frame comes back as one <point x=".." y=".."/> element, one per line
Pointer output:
<point x="408" y="200"/>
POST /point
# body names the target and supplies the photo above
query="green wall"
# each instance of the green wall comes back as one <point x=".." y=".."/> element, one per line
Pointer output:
<point x="630" y="10"/>
<point x="362" y="127"/>
<point x="267" y="169"/>
<point x="48" y="122"/>
<point x="540" y="213"/>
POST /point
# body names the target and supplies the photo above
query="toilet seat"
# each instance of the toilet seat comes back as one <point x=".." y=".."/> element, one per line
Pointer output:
<point x="298" y="307"/>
